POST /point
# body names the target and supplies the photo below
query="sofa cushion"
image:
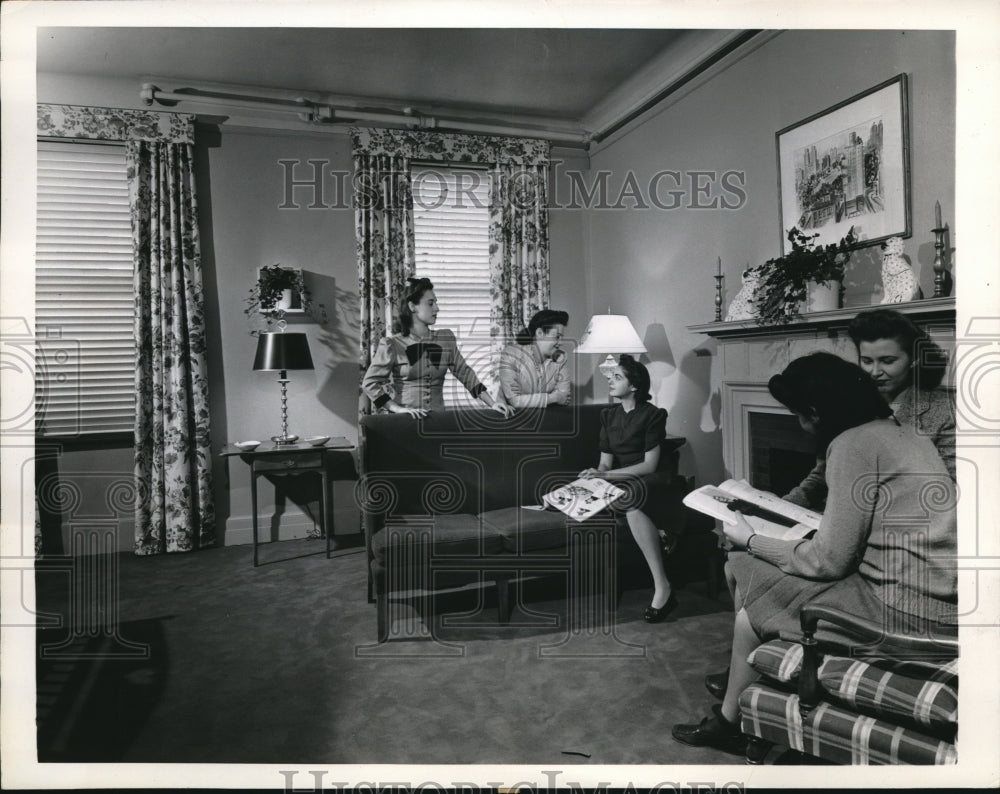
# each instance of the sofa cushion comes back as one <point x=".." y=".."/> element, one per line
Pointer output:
<point x="524" y="530"/>
<point x="457" y="534"/>
<point x="919" y="693"/>
<point x="834" y="733"/>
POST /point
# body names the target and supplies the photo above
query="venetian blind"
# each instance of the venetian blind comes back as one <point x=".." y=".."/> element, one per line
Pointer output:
<point x="451" y="218"/>
<point x="84" y="293"/>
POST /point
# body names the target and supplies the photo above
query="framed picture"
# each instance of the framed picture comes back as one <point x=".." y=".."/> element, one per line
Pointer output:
<point x="848" y="165"/>
<point x="286" y="280"/>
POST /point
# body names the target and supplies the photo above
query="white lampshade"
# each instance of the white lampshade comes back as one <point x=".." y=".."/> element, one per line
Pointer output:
<point x="610" y="333"/>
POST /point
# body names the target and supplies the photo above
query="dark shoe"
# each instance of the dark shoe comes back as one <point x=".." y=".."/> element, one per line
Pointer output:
<point x="713" y="731"/>
<point x="657" y="615"/>
<point x="668" y="542"/>
<point x="716" y="683"/>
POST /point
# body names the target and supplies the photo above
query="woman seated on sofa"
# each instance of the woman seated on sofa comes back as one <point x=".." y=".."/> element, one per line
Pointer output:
<point x="631" y="433"/>
<point x="407" y="372"/>
<point x="533" y="369"/>
<point x="862" y="559"/>
<point x="907" y="368"/>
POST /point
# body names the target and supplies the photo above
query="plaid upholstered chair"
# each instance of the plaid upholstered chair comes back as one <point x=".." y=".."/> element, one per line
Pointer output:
<point x="893" y="701"/>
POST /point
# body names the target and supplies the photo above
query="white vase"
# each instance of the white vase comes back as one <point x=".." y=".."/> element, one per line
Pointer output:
<point x="822" y="297"/>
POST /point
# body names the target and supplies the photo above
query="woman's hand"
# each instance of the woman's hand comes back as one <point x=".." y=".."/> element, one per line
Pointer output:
<point x="589" y="474"/>
<point x="739" y="534"/>
<point x="503" y="408"/>
<point x="416" y="413"/>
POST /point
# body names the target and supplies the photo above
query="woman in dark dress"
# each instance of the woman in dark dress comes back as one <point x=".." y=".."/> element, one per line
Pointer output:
<point x="631" y="433"/>
<point x="885" y="548"/>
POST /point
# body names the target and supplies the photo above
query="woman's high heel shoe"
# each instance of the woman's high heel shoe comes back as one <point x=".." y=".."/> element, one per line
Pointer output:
<point x="658" y="614"/>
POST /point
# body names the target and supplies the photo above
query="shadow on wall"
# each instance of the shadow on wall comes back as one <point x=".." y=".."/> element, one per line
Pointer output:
<point x="340" y="332"/>
<point x="702" y="420"/>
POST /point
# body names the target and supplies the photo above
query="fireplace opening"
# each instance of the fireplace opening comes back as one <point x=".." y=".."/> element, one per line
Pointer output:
<point x="781" y="452"/>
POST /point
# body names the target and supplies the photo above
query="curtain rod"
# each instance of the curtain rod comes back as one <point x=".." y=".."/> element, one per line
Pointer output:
<point x="319" y="113"/>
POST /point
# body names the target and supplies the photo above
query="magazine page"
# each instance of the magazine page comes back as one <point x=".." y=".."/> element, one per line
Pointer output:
<point x="583" y="498"/>
<point x="769" y="501"/>
<point x="715" y="501"/>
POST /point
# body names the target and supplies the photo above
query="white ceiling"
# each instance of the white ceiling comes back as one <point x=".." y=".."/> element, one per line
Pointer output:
<point x="515" y="76"/>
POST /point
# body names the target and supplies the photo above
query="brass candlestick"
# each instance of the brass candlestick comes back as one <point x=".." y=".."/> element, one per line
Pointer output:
<point x="718" y="297"/>
<point x="939" y="263"/>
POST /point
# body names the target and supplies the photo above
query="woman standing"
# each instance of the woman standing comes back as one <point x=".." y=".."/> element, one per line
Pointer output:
<point x="631" y="433"/>
<point x="533" y="369"/>
<point x="407" y="372"/>
<point x="907" y="367"/>
<point x="885" y="548"/>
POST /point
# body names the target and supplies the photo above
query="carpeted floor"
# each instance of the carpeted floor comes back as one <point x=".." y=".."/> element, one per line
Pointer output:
<point x="215" y="661"/>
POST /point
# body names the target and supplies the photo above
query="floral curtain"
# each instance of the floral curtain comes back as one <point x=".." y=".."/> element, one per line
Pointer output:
<point x="519" y="250"/>
<point x="174" y="509"/>
<point x="173" y="466"/>
<point x="384" y="223"/>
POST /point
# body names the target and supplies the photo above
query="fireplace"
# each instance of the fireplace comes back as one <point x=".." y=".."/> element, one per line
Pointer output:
<point x="781" y="452"/>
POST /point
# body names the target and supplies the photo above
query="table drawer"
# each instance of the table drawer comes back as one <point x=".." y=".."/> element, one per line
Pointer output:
<point x="289" y="462"/>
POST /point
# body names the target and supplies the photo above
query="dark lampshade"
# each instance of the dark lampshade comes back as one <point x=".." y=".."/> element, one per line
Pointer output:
<point x="281" y="351"/>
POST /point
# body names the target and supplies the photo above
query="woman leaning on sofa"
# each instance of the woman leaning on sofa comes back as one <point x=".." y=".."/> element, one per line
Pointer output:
<point x="885" y="548"/>
<point x="533" y="369"/>
<point x="407" y="372"/>
<point x="907" y="367"/>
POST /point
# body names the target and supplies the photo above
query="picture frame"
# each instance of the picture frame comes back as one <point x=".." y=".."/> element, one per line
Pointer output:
<point x="848" y="165"/>
<point x="290" y="301"/>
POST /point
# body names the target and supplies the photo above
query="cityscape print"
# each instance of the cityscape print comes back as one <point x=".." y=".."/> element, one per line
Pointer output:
<point x="839" y="178"/>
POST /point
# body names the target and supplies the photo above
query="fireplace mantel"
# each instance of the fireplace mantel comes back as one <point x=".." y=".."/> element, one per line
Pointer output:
<point x="749" y="354"/>
<point x="930" y="310"/>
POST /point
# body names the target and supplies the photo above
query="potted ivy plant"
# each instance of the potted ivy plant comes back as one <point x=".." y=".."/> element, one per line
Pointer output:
<point x="785" y="281"/>
<point x="277" y="291"/>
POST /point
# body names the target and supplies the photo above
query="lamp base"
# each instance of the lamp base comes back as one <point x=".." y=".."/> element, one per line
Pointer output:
<point x="284" y="439"/>
<point x="607" y="368"/>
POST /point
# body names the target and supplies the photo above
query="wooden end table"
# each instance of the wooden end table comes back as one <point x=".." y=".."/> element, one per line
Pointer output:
<point x="286" y="460"/>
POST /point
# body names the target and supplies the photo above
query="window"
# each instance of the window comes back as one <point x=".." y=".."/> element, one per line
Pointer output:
<point x="451" y="218"/>
<point x="84" y="293"/>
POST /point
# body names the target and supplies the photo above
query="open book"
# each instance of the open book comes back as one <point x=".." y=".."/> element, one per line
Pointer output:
<point x="768" y="514"/>
<point x="584" y="497"/>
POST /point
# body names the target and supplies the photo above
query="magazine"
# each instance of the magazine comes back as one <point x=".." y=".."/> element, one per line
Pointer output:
<point x="768" y="514"/>
<point x="583" y="498"/>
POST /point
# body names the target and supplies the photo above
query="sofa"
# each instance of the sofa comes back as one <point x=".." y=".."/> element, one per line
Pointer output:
<point x="890" y="699"/>
<point x="445" y="501"/>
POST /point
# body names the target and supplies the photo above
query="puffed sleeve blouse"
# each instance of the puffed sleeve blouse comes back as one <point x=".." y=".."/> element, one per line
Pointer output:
<point x="629" y="436"/>
<point x="411" y="371"/>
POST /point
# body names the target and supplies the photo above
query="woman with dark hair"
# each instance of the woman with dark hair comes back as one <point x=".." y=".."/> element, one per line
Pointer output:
<point x="885" y="548"/>
<point x="907" y="367"/>
<point x="631" y="433"/>
<point x="533" y="369"/>
<point x="407" y="372"/>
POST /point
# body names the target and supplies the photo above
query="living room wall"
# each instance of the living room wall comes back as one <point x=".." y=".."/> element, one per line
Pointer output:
<point x="727" y="122"/>
<point x="247" y="219"/>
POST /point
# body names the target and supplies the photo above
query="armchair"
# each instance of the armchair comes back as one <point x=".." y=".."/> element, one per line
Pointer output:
<point x="892" y="701"/>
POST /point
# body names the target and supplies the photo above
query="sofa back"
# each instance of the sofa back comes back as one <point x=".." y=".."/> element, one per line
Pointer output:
<point x="473" y="460"/>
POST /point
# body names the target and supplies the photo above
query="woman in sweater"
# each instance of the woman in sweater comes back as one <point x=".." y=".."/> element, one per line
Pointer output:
<point x="533" y="369"/>
<point x="907" y="367"/>
<point x="407" y="372"/>
<point x="884" y="551"/>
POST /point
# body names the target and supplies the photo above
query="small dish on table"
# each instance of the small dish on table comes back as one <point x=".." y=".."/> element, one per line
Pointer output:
<point x="246" y="446"/>
<point x="317" y="441"/>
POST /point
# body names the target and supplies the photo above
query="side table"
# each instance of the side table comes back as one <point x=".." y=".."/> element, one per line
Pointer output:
<point x="285" y="460"/>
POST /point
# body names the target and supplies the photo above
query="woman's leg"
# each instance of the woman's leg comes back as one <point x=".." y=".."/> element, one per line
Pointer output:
<point x="741" y="674"/>
<point x="648" y="540"/>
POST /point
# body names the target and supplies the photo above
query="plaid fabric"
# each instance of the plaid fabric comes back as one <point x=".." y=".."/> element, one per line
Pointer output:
<point x="921" y="694"/>
<point x="777" y="659"/>
<point x="834" y="734"/>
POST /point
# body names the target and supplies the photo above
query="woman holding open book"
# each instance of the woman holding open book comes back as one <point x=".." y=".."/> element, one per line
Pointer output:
<point x="631" y="433"/>
<point x="907" y="367"/>
<point x="886" y="544"/>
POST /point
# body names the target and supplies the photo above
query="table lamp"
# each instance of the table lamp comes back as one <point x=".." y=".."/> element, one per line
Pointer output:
<point x="278" y="351"/>
<point x="611" y="334"/>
